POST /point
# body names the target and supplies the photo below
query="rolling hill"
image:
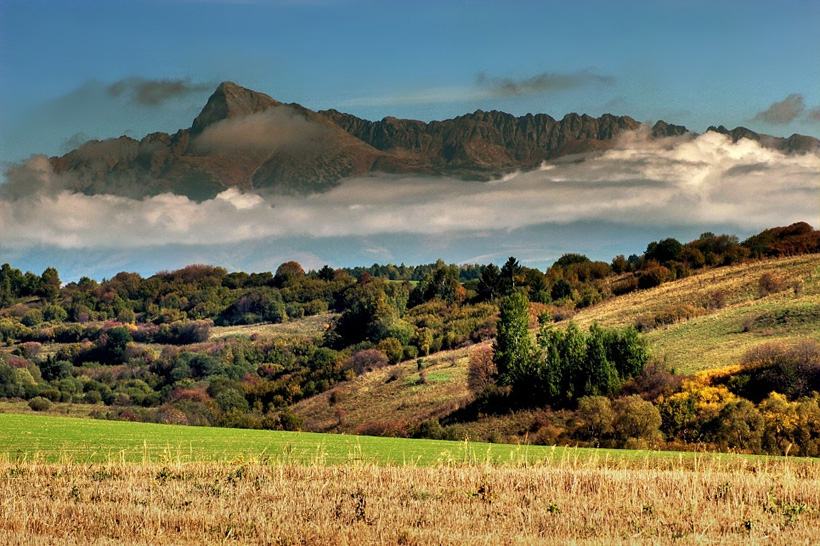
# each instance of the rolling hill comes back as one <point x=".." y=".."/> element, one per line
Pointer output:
<point x="713" y="319"/>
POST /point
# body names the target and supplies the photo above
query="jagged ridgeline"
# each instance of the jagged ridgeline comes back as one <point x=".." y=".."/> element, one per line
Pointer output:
<point x="248" y="140"/>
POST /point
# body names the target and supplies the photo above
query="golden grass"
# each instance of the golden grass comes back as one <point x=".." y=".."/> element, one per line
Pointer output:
<point x="312" y="327"/>
<point x="717" y="337"/>
<point x="738" y="282"/>
<point x="394" y="395"/>
<point x="590" y="502"/>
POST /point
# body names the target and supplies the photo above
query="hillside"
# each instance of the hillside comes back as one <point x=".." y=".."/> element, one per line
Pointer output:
<point x="386" y="400"/>
<point x="246" y="139"/>
<point x="715" y="307"/>
<point x="726" y="317"/>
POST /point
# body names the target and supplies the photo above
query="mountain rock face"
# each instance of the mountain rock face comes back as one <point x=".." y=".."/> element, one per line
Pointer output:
<point x="248" y="140"/>
<point x="794" y="144"/>
<point x="231" y="101"/>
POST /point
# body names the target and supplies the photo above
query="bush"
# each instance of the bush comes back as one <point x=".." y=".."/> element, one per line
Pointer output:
<point x="185" y="332"/>
<point x="294" y="310"/>
<point x="53" y="369"/>
<point x="33" y="317"/>
<point x="30" y="349"/>
<point x="258" y="305"/>
<point x="231" y="400"/>
<point x="653" y="382"/>
<point x="690" y="414"/>
<point x="431" y="429"/>
<point x="636" y="419"/>
<point x="391" y="347"/>
<point x="38" y="403"/>
<point x="739" y="425"/>
<point x="410" y="352"/>
<point x="595" y="418"/>
<point x="790" y="369"/>
<point x="482" y="371"/>
<point x="315" y="307"/>
<point x="769" y="284"/>
<point x="367" y="360"/>
<point x="625" y="285"/>
<point x="54" y="313"/>
<point x="653" y="275"/>
<point x="169" y="415"/>
<point x="93" y="397"/>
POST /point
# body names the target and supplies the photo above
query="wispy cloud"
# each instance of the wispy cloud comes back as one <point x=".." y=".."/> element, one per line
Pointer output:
<point x="544" y="82"/>
<point x="784" y="111"/>
<point x="489" y="87"/>
<point x="153" y="92"/>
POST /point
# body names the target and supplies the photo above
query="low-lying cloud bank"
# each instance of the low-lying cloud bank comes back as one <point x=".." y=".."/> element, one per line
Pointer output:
<point x="687" y="181"/>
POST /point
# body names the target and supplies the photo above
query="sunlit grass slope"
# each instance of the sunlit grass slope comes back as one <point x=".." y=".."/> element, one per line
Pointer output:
<point x="720" y="336"/>
<point x="716" y="337"/>
<point x="27" y="437"/>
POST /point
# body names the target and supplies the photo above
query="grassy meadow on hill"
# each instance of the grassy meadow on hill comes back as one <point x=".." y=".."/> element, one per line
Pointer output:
<point x="309" y="328"/>
<point x="388" y="399"/>
<point x="701" y="334"/>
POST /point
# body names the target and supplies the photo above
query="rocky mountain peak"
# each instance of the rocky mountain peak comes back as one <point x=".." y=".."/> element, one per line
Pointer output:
<point x="230" y="100"/>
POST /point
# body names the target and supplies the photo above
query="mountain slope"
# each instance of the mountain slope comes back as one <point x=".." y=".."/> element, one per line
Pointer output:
<point x="246" y="139"/>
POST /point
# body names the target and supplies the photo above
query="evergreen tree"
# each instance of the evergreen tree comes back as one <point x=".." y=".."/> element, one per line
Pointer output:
<point x="509" y="271"/>
<point x="573" y="351"/>
<point x="627" y="350"/>
<point x="489" y="282"/>
<point x="551" y="365"/>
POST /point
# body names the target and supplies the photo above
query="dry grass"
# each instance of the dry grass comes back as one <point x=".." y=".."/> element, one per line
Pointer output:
<point x="738" y="284"/>
<point x="718" y="337"/>
<point x="390" y="398"/>
<point x="312" y="327"/>
<point x="589" y="502"/>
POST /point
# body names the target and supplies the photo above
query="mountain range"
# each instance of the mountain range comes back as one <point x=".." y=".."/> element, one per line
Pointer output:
<point x="248" y="140"/>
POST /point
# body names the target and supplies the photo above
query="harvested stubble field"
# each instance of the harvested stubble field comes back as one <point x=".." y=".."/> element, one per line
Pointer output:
<point x="581" y="501"/>
<point x="124" y="483"/>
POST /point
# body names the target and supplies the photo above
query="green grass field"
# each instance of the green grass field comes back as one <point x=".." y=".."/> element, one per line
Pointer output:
<point x="28" y="437"/>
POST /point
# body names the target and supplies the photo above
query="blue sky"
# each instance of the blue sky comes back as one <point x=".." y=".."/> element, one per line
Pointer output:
<point x="81" y="69"/>
<point x="696" y="63"/>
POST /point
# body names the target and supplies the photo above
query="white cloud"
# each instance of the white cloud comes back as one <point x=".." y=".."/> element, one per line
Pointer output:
<point x="685" y="181"/>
